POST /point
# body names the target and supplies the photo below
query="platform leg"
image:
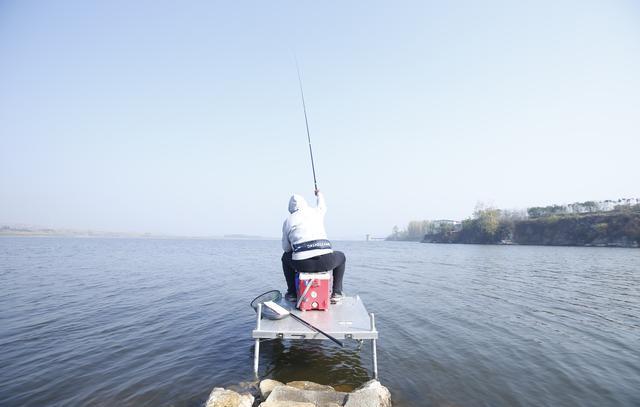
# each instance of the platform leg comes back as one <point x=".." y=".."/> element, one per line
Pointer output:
<point x="373" y="347"/>
<point x="256" y="352"/>
<point x="256" y="357"/>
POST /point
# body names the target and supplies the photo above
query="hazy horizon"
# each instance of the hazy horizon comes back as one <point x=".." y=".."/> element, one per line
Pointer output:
<point x="150" y="117"/>
<point x="98" y="233"/>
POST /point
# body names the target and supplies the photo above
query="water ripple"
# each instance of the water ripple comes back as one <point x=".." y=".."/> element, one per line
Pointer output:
<point x="133" y="322"/>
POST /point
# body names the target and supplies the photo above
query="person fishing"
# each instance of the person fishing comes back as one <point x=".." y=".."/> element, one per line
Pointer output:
<point x="306" y="247"/>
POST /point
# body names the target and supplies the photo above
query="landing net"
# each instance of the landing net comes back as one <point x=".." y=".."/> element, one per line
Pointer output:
<point x="273" y="295"/>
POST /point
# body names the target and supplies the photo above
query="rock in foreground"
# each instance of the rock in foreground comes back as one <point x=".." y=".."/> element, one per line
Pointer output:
<point x="267" y="386"/>
<point x="283" y="396"/>
<point x="220" y="397"/>
<point x="372" y="393"/>
<point x="273" y="393"/>
<point x="309" y="394"/>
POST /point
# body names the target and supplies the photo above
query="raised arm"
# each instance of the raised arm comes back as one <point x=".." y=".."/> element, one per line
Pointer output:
<point x="321" y="204"/>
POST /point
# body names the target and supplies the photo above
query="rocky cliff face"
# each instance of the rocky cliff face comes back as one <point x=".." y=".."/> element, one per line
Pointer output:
<point x="607" y="229"/>
<point x="620" y="229"/>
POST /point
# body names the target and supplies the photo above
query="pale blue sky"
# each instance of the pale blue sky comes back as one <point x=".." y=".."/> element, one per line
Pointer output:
<point x="185" y="118"/>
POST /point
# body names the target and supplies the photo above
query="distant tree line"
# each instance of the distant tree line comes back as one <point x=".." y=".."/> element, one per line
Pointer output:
<point x="583" y="207"/>
<point x="613" y="223"/>
<point x="416" y="230"/>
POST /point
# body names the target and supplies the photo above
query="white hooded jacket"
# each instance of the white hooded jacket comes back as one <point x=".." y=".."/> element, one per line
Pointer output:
<point x="303" y="230"/>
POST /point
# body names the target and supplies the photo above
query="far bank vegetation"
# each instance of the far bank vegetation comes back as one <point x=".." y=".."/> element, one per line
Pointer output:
<point x="590" y="223"/>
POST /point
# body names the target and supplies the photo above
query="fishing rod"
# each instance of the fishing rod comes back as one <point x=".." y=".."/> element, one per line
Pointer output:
<point x="281" y="311"/>
<point x="269" y="302"/>
<point x="306" y="122"/>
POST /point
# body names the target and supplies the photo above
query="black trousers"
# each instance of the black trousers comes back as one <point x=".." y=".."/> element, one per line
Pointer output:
<point x="332" y="261"/>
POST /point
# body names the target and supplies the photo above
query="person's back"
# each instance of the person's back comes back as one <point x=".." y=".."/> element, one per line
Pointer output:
<point x="303" y="231"/>
<point x="306" y="247"/>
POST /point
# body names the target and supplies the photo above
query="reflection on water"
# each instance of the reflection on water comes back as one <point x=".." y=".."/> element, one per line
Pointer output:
<point x="317" y="361"/>
<point x="135" y="322"/>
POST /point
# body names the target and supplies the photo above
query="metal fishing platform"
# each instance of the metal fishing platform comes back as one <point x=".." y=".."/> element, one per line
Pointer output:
<point x="347" y="319"/>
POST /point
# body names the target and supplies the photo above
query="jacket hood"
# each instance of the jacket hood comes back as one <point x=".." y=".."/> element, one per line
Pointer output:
<point x="297" y="202"/>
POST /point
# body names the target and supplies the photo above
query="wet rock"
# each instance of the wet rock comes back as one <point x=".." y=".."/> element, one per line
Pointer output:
<point x="301" y="394"/>
<point x="250" y="387"/>
<point x="287" y="404"/>
<point x="345" y="388"/>
<point x="306" y="385"/>
<point x="267" y="385"/>
<point x="370" y="394"/>
<point x="220" y="397"/>
<point x="316" y="398"/>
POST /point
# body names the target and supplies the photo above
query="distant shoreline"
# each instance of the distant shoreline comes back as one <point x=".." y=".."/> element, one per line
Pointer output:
<point x="603" y="246"/>
<point x="28" y="231"/>
<point x="602" y="229"/>
<point x="150" y="237"/>
<point x="607" y="223"/>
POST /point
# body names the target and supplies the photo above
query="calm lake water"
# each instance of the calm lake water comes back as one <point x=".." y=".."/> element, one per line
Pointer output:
<point x="142" y="322"/>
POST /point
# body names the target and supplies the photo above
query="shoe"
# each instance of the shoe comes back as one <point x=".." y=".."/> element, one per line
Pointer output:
<point x="336" y="298"/>
<point x="290" y="297"/>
